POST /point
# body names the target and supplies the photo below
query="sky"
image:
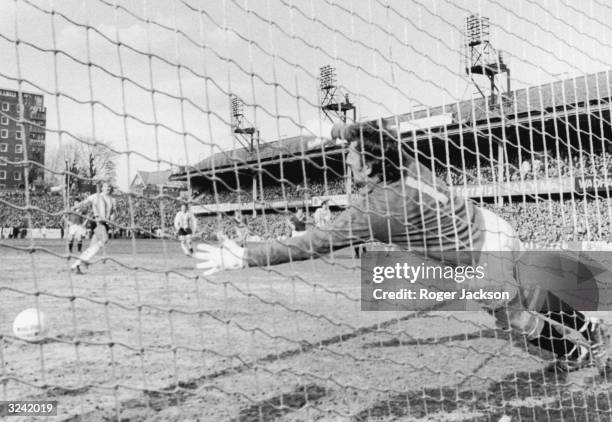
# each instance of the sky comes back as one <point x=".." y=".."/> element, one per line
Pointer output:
<point x="161" y="71"/>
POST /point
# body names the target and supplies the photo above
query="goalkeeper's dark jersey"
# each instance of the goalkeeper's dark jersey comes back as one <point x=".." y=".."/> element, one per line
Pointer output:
<point x="420" y="216"/>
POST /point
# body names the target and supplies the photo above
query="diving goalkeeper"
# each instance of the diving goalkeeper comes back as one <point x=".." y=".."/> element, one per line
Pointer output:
<point x="404" y="204"/>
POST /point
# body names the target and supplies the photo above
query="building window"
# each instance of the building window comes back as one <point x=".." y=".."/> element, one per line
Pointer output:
<point x="3" y="133"/>
<point x="5" y="106"/>
<point x="4" y="120"/>
<point x="19" y="134"/>
<point x="18" y="149"/>
<point x="17" y="175"/>
<point x="2" y="161"/>
<point x="2" y="186"/>
<point x="2" y="175"/>
<point x="3" y="147"/>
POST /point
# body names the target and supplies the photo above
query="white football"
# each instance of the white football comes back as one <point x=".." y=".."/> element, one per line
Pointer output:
<point x="30" y="325"/>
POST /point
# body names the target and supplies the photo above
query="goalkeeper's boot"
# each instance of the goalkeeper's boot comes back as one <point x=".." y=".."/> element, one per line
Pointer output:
<point x="575" y="360"/>
<point x="591" y="353"/>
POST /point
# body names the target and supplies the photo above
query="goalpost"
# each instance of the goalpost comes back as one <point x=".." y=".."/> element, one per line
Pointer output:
<point x="228" y="107"/>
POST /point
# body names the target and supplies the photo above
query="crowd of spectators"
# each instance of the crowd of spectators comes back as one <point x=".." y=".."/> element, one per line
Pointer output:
<point x="549" y="221"/>
<point x="542" y="221"/>
<point x="13" y="214"/>
<point x="47" y="211"/>
<point x="276" y="192"/>
<point x="530" y="167"/>
<point x="145" y="216"/>
<point x="262" y="226"/>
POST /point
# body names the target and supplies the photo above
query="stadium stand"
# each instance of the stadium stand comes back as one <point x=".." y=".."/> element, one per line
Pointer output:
<point x="542" y="221"/>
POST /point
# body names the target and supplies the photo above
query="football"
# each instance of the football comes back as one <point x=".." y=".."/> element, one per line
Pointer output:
<point x="30" y="325"/>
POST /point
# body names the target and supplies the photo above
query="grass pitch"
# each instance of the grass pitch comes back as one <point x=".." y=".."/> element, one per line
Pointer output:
<point x="142" y="337"/>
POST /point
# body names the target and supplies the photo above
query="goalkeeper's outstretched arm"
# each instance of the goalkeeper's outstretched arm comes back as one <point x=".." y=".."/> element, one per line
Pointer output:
<point x="349" y="228"/>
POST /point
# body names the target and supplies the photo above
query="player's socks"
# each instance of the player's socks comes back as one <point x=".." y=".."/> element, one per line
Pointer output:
<point x="79" y="247"/>
<point x="70" y="244"/>
<point x="185" y="249"/>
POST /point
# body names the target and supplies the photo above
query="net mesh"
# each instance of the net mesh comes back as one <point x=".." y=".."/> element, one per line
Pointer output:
<point x="227" y="107"/>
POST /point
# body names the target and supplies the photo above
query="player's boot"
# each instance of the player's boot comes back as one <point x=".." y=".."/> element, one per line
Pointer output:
<point x="77" y="267"/>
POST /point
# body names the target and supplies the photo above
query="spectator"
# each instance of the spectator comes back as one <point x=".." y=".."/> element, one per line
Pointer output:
<point x="525" y="169"/>
<point x="322" y="216"/>
<point x="536" y="166"/>
<point x="241" y="230"/>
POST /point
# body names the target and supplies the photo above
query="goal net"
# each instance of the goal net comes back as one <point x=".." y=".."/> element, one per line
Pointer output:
<point x="323" y="141"/>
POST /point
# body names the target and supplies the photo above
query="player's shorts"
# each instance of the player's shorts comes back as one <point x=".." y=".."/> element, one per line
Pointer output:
<point x="184" y="232"/>
<point x="76" y="231"/>
<point x="100" y="230"/>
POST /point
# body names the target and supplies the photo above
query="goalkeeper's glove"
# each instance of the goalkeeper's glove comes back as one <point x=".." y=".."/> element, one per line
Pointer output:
<point x="215" y="258"/>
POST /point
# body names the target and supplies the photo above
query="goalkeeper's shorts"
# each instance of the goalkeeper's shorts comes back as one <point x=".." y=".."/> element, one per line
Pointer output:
<point x="501" y="253"/>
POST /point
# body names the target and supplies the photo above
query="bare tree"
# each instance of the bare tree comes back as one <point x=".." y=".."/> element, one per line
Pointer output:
<point x="96" y="162"/>
<point x="64" y="165"/>
<point x="82" y="164"/>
